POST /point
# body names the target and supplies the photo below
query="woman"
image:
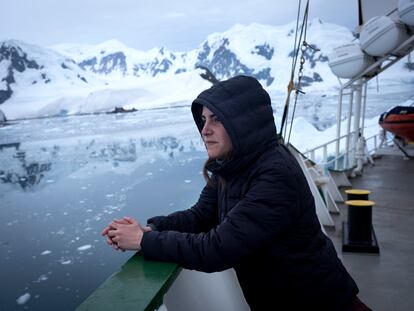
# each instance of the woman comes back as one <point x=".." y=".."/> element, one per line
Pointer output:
<point x="256" y="213"/>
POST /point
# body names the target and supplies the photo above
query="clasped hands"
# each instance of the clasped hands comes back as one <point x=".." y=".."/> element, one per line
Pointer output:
<point x="125" y="234"/>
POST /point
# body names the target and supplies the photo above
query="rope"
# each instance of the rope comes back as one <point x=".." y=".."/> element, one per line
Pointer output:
<point x="302" y="62"/>
<point x="291" y="85"/>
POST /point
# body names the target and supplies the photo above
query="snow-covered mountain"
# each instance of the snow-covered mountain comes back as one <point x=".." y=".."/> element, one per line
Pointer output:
<point x="70" y="78"/>
<point x="28" y="66"/>
<point x="114" y="59"/>
<point x="262" y="51"/>
<point x="258" y="50"/>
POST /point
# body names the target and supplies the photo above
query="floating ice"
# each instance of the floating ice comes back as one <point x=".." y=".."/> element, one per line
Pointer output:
<point x="109" y="195"/>
<point x="49" y="181"/>
<point x="46" y="252"/>
<point x="65" y="262"/>
<point x="23" y="299"/>
<point x="84" y="247"/>
<point x="149" y="174"/>
<point x="42" y="278"/>
<point x="187" y="181"/>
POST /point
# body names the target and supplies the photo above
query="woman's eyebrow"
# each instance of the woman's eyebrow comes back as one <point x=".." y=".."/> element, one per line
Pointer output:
<point x="208" y="116"/>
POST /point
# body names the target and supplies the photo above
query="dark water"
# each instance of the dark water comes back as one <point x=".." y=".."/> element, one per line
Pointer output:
<point x="58" y="191"/>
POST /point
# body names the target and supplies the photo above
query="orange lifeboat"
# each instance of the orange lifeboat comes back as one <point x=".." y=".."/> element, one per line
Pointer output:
<point x="399" y="121"/>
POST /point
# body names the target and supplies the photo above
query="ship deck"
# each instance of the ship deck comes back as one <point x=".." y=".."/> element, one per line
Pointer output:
<point x="386" y="280"/>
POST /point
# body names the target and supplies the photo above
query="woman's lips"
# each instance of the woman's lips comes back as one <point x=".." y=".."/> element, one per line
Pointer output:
<point x="210" y="143"/>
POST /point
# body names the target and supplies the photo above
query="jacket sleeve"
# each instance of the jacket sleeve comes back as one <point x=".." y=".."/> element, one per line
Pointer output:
<point x="199" y="218"/>
<point x="263" y="214"/>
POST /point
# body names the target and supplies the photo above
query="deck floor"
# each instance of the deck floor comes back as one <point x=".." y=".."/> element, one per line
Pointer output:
<point x="386" y="281"/>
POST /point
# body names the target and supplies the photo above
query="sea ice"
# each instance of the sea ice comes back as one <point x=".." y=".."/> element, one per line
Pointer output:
<point x="46" y="252"/>
<point x="65" y="262"/>
<point x="84" y="247"/>
<point x="42" y="278"/>
<point x="187" y="181"/>
<point x="23" y="299"/>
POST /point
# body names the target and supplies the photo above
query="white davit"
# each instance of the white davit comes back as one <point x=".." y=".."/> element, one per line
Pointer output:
<point x="348" y="60"/>
<point x="381" y="35"/>
<point x="406" y="11"/>
<point x="2" y="118"/>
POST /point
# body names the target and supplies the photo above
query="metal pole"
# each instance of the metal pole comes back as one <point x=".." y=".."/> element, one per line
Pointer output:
<point x="364" y="105"/>
<point x="338" y="128"/>
<point x="357" y="117"/>
<point x="348" y="128"/>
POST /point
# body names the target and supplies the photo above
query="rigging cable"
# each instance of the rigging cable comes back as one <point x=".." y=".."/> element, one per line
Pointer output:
<point x="292" y="74"/>
<point x="291" y="86"/>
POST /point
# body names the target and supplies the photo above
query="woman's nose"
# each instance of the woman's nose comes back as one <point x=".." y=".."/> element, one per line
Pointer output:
<point x="206" y="129"/>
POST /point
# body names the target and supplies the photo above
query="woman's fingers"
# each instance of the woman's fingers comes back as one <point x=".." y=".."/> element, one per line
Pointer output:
<point x="146" y="229"/>
<point x="111" y="233"/>
<point x="123" y="234"/>
<point x="130" y="220"/>
<point x="121" y="221"/>
<point x="105" y="230"/>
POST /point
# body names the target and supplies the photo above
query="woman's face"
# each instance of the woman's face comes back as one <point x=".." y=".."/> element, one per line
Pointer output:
<point x="215" y="137"/>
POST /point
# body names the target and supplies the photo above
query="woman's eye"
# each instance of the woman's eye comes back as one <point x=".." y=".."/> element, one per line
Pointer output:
<point x="215" y="120"/>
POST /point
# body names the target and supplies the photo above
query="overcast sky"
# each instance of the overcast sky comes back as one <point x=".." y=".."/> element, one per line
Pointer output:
<point x="179" y="25"/>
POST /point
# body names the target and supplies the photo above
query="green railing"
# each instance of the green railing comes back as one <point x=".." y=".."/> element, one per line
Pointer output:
<point x="139" y="285"/>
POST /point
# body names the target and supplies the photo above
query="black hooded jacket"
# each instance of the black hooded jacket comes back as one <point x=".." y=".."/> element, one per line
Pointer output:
<point x="261" y="221"/>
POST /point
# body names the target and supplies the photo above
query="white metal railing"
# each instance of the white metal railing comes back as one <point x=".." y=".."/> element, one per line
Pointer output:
<point x="327" y="149"/>
<point x="325" y="154"/>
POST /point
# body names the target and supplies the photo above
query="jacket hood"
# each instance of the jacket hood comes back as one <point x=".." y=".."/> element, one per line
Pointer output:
<point x="244" y="108"/>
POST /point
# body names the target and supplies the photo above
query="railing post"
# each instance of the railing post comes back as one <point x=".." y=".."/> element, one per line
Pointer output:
<point x="348" y="129"/>
<point x="338" y="128"/>
<point x="325" y="153"/>
<point x="357" y="118"/>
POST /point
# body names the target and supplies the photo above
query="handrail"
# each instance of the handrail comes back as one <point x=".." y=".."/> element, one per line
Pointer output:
<point x="310" y="153"/>
<point x="139" y="285"/>
<point x="327" y="143"/>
